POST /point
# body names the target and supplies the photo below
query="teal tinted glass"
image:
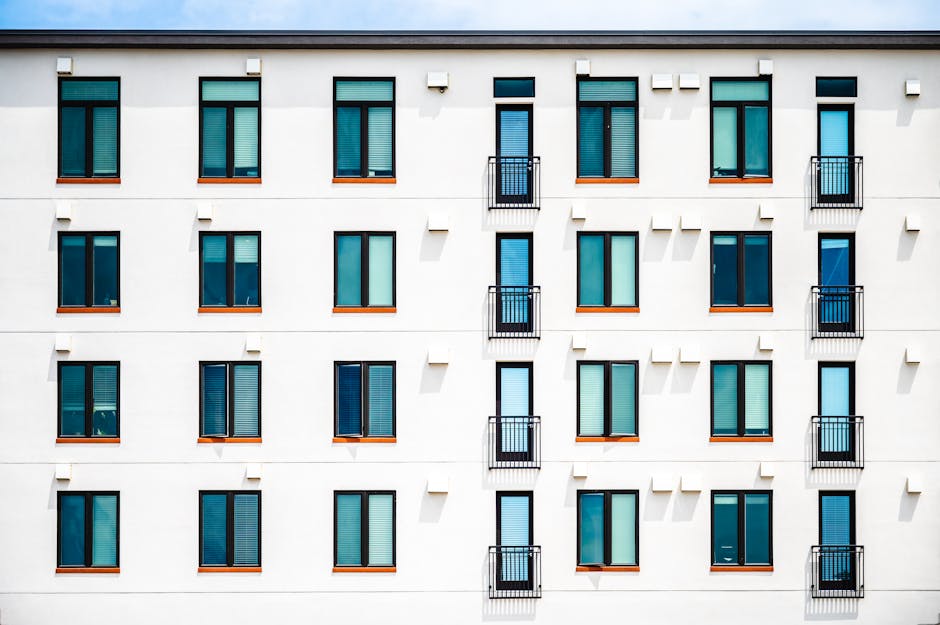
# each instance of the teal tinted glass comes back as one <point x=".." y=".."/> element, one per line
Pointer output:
<point x="72" y="141"/>
<point x="246" y="141"/>
<point x="214" y="523"/>
<point x="104" y="539"/>
<point x="623" y="398"/>
<point x="246" y="527"/>
<point x="348" y="141"/>
<point x="105" y="270"/>
<point x="246" y="270"/>
<point x="756" y="141"/>
<point x="364" y="90"/>
<point x="72" y="270"/>
<point x="72" y="530"/>
<point x="724" y="399"/>
<point x="381" y="400"/>
<point x="740" y="90"/>
<point x="756" y="528"/>
<point x="590" y="399"/>
<point x="246" y="395"/>
<point x="591" y="270"/>
<point x="214" y="277"/>
<point x="590" y="141"/>
<point x="724" y="270"/>
<point x="724" y="141"/>
<point x="623" y="270"/>
<point x="381" y="530"/>
<point x="725" y="529"/>
<point x="349" y="270"/>
<point x="349" y="530"/>
<point x="231" y="90"/>
<point x="514" y="88"/>
<point x="104" y="416"/>
<point x="756" y="399"/>
<point x="89" y="90"/>
<point x="606" y="90"/>
<point x="214" y="141"/>
<point x="836" y="87"/>
<point x="380" y="141"/>
<point x="104" y="141"/>
<point x="591" y="524"/>
<point x="623" y="142"/>
<point x="381" y="265"/>
<point x="623" y="528"/>
<point x="72" y="400"/>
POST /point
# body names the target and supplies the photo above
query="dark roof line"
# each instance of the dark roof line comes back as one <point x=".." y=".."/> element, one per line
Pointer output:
<point x="455" y="39"/>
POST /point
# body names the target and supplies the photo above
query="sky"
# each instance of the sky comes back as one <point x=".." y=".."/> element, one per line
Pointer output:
<point x="473" y="14"/>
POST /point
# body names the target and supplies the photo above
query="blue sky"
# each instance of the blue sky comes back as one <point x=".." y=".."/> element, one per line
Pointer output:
<point x="472" y="14"/>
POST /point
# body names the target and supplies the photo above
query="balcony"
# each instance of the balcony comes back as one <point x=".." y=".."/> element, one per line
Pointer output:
<point x="515" y="572"/>
<point x="836" y="181"/>
<point x="514" y="442"/>
<point x="838" y="442"/>
<point x="838" y="571"/>
<point x="513" y="182"/>
<point x="513" y="312"/>
<point x="838" y="312"/>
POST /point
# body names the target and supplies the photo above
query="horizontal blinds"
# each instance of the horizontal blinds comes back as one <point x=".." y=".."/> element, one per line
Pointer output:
<point x="72" y="530"/>
<point x="834" y="391"/>
<point x="623" y="398"/>
<point x="104" y="530"/>
<point x="514" y="521"/>
<point x="364" y="90"/>
<point x="725" y="399"/>
<point x="725" y="529"/>
<point x="380" y="140"/>
<point x="836" y="521"/>
<point x="756" y="399"/>
<point x="756" y="141"/>
<point x="105" y="270"/>
<point x="246" y="248"/>
<point x="590" y="141"/>
<point x="756" y="270"/>
<point x="623" y="270"/>
<point x="514" y="392"/>
<point x="381" y="262"/>
<point x="725" y="141"/>
<point x="104" y="141"/>
<point x="349" y="270"/>
<point x="591" y="270"/>
<point x="246" y="141"/>
<point x="89" y="90"/>
<point x="591" y="399"/>
<point x="833" y="133"/>
<point x="740" y="90"/>
<point x="246" y="520"/>
<point x="513" y="262"/>
<point x="592" y="528"/>
<point x="246" y="396"/>
<point x="513" y="135"/>
<point x="104" y="400"/>
<point x="623" y="528"/>
<point x="214" y="522"/>
<point x="72" y="400"/>
<point x="623" y="142"/>
<point x="381" y="404"/>
<point x="214" y="400"/>
<point x="348" y="400"/>
<point x="349" y="530"/>
<point x="214" y="141"/>
<point x="214" y="248"/>
<point x="606" y="90"/>
<point x="348" y="141"/>
<point x="72" y="141"/>
<point x="756" y="528"/>
<point x="231" y="90"/>
<point x="381" y="530"/>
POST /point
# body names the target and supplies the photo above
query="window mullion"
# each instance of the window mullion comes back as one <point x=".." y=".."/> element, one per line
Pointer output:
<point x="229" y="140"/>
<point x="230" y="399"/>
<point x="739" y="253"/>
<point x="363" y="412"/>
<point x="741" y="140"/>
<point x="364" y="140"/>
<point x="740" y="399"/>
<point x="229" y="269"/>
<point x="607" y="399"/>
<point x="608" y="267"/>
<point x="89" y="139"/>
<point x="230" y="528"/>
<point x="608" y="527"/>
<point x="364" y="529"/>
<point x="364" y="269"/>
<point x="89" y="399"/>
<point x="741" y="555"/>
<point x="608" y="141"/>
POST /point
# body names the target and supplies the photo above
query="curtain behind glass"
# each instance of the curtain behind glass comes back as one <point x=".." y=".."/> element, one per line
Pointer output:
<point x="349" y="270"/>
<point x="725" y="529"/>
<point x="214" y="522"/>
<point x="592" y="528"/>
<point x="72" y="530"/>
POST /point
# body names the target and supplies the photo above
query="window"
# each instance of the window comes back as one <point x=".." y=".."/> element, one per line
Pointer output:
<point x="607" y="128"/>
<point x="364" y="127"/>
<point x="608" y="274"/>
<point x="230" y="400"/>
<point x="89" y="266"/>
<point x="88" y="399"/>
<point x="831" y="87"/>
<point x="364" y="529"/>
<point x="741" y="269"/>
<point x="89" y="127"/>
<point x="741" y="399"/>
<point x="229" y="127"/>
<point x="365" y="399"/>
<point x="740" y="127"/>
<point x="742" y="528"/>
<point x="88" y="530"/>
<point x="607" y="398"/>
<point x="230" y="270"/>
<point x="365" y="269"/>
<point x="229" y="529"/>
<point x="514" y="87"/>
<point x="608" y="528"/>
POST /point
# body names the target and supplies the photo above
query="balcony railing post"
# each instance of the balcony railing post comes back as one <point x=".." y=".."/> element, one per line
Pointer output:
<point x="514" y="572"/>
<point x="514" y="312"/>
<point x="514" y="442"/>
<point x="836" y="182"/>
<point x="513" y="182"/>
<point x="837" y="311"/>
<point x="838" y="571"/>
<point x="838" y="442"/>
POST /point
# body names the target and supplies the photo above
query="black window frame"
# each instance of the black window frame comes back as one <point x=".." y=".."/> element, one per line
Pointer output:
<point x="608" y="408"/>
<point x="608" y="266"/>
<point x="229" y="266"/>
<point x="741" y="234"/>
<point x="607" y="105"/>
<point x="364" y="525"/>
<point x="364" y="396"/>
<point x="89" y="397"/>
<point x="742" y="545"/>
<point x="498" y="78"/>
<point x="229" y="106"/>
<point x="89" y="267"/>
<point x="364" y="267"/>
<point x="608" y="524"/>
<point x="854" y="80"/>
<point x="89" y="528"/>
<point x="229" y="396"/>
<point x="229" y="528"/>
<point x="364" y="106"/>
<point x="89" y="106"/>
<point x="742" y="139"/>
<point x="741" y="398"/>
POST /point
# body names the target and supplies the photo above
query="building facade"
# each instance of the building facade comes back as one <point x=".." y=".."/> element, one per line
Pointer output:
<point x="469" y="327"/>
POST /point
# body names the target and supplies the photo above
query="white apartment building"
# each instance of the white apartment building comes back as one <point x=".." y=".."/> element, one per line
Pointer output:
<point x="561" y="327"/>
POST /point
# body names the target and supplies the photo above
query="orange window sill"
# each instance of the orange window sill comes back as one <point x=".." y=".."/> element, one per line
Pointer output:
<point x="607" y="439"/>
<point x="365" y="180"/>
<point x="229" y="569"/>
<point x="228" y="180"/>
<point x="633" y="568"/>
<point x="364" y="569"/>
<point x="607" y="309"/>
<point x="607" y="181"/>
<point x="87" y="439"/>
<point x="231" y="439"/>
<point x="87" y="569"/>
<point x="740" y="439"/>
<point x="741" y="569"/>
<point x="230" y="309"/>
<point x="365" y="309"/>
<point x="88" y="309"/>
<point x="740" y="181"/>
<point x="364" y="439"/>
<point x="88" y="181"/>
<point x="740" y="309"/>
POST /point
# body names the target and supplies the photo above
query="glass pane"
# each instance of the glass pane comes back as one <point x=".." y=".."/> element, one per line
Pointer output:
<point x="364" y="90"/>
<point x="623" y="270"/>
<point x="214" y="402"/>
<point x="514" y="88"/>
<point x="214" y="254"/>
<point x="623" y="528"/>
<point x="214" y="144"/>
<point x="591" y="270"/>
<point x="623" y="398"/>
<point x="231" y="90"/>
<point x="381" y="531"/>
<point x="381" y="400"/>
<point x="591" y="399"/>
<point x="756" y="270"/>
<point x="246" y="397"/>
<point x="725" y="400"/>
<point x="246" y="270"/>
<point x="349" y="400"/>
<point x="348" y="141"/>
<point x="756" y="144"/>
<point x="72" y="271"/>
<point x="724" y="141"/>
<point x="380" y="141"/>
<point x="105" y="259"/>
<point x="724" y="270"/>
<point x="89" y="90"/>
<point x="623" y="142"/>
<point x="72" y="142"/>
<point x="104" y="530"/>
<point x="514" y="392"/>
<point x="835" y="391"/>
<point x="214" y="522"/>
<point x="756" y="399"/>
<point x="380" y="270"/>
<point x="590" y="141"/>
<point x="740" y="90"/>
<point x="725" y="529"/>
<point x="349" y="270"/>
<point x="104" y="414"/>
<point x="514" y="521"/>
<point x="836" y="525"/>
<point x="606" y="90"/>
<point x="836" y="87"/>
<point x="246" y="141"/>
<point x="592" y="528"/>
<point x="246" y="530"/>
<point x="513" y="261"/>
<point x="104" y="148"/>
<point x="72" y="415"/>
<point x="348" y="530"/>
<point x="72" y="530"/>
<point x="834" y="262"/>
<point x="756" y="529"/>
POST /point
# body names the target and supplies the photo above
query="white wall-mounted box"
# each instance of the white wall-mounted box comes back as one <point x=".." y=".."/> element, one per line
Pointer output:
<point x="765" y="342"/>
<point x="915" y="483"/>
<point x="253" y="471"/>
<point x="662" y="354"/>
<point x="691" y="483"/>
<point x="661" y="81"/>
<point x="766" y="211"/>
<point x="63" y="65"/>
<point x="204" y="211"/>
<point x="582" y="67"/>
<point x="768" y="469"/>
<point x="253" y="343"/>
<point x="579" y="470"/>
<point x="912" y="87"/>
<point x="253" y="66"/>
<point x="63" y="210"/>
<point x="63" y="342"/>
<point x="438" y="80"/>
<point x="690" y="354"/>
<point x="663" y="483"/>
<point x="912" y="223"/>
<point x="661" y="222"/>
<point x="579" y="341"/>
<point x="765" y="67"/>
<point x="438" y="222"/>
<point x="578" y="212"/>
<point x="912" y="355"/>
<point x="690" y="222"/>
<point x="63" y="471"/>
<point x="689" y="81"/>
<point x="438" y="355"/>
<point x="438" y="484"/>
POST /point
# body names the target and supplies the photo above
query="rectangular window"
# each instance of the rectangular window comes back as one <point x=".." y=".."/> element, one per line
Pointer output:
<point x="364" y="127"/>
<point x="741" y="398"/>
<point x="365" y="399"/>
<point x="607" y="128"/>
<point x="89" y="266"/>
<point x="833" y="87"/>
<point x="742" y="528"/>
<point x="88" y="529"/>
<point x="230" y="399"/>
<point x="229" y="529"/>
<point x="365" y="269"/>
<point x="514" y="87"/>
<point x="89" y="127"/>
<point x="229" y="127"/>
<point x="229" y="269"/>
<point x="364" y="529"/>
<point x="608" y="274"/>
<point x="608" y="528"/>
<point x="740" y="127"/>
<point x="741" y="273"/>
<point x="89" y="399"/>
<point x="607" y="396"/>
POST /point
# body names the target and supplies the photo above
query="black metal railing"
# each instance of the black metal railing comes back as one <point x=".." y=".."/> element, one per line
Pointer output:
<point x="515" y="572"/>
<point x="514" y="312"/>
<point x="838" y="311"/>
<point x="838" y="442"/>
<point x="836" y="181"/>
<point x="838" y="571"/>
<point x="513" y="182"/>
<point x="514" y="442"/>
